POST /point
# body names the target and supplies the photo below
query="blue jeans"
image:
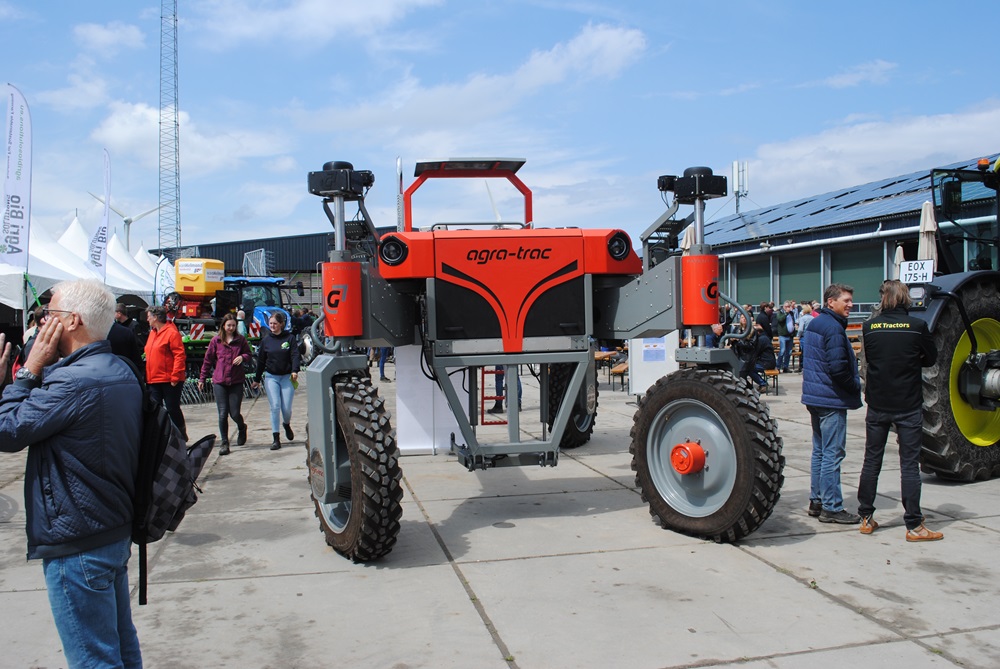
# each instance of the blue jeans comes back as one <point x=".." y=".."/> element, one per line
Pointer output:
<point x="383" y="355"/>
<point x="89" y="596"/>
<point x="829" y="437"/>
<point x="785" y="346"/>
<point x="909" y="434"/>
<point x="279" y="395"/>
<point x="501" y="375"/>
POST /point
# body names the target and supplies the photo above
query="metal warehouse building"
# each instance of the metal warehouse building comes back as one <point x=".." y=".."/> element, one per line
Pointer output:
<point x="794" y="250"/>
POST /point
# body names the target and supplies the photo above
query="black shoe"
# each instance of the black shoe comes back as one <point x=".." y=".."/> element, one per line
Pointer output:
<point x="386" y="379"/>
<point x="289" y="435"/>
<point x="497" y="408"/>
<point x="224" y="448"/>
<point x="815" y="508"/>
<point x="276" y="444"/>
<point x="241" y="436"/>
<point x="842" y="517"/>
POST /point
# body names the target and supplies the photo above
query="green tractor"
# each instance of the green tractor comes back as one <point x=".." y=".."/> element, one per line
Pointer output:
<point x="961" y="305"/>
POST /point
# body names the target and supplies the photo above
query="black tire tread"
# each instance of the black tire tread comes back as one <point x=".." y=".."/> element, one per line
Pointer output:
<point x="761" y="432"/>
<point x="573" y="437"/>
<point x="946" y="452"/>
<point x="376" y="490"/>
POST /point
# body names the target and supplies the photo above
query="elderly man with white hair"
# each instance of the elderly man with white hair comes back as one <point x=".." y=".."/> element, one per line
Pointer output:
<point x="77" y="408"/>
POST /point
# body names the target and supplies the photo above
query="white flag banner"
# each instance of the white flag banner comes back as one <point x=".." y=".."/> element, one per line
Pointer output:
<point x="98" y="254"/>
<point x="17" y="185"/>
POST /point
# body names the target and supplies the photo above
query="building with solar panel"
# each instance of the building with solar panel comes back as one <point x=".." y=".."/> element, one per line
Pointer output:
<point x="794" y="250"/>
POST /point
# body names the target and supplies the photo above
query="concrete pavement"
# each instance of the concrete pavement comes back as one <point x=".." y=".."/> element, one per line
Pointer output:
<point x="540" y="568"/>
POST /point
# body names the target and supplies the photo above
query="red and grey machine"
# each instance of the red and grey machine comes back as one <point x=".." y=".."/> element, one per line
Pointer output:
<point x="476" y="296"/>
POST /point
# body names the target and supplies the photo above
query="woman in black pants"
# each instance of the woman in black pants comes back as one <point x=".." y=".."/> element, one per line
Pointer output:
<point x="226" y="354"/>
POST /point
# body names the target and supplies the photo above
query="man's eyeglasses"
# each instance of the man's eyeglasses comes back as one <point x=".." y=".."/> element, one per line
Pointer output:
<point x="46" y="312"/>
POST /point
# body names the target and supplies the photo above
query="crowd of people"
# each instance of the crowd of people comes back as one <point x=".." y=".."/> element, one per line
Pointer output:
<point x="756" y="350"/>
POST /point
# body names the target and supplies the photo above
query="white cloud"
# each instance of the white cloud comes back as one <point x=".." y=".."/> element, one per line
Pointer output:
<point x="596" y="52"/>
<point x="874" y="72"/>
<point x="9" y="12"/>
<point x="85" y="91"/>
<point x="107" y="40"/>
<point x="133" y="130"/>
<point x="861" y="152"/>
<point x="281" y="164"/>
<point x="228" y="23"/>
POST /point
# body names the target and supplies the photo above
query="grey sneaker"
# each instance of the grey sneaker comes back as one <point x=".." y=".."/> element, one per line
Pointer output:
<point x="815" y="508"/>
<point x="843" y="517"/>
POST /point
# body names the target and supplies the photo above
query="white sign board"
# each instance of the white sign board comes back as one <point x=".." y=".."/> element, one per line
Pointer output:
<point x="424" y="421"/>
<point x="650" y="359"/>
<point x="916" y="271"/>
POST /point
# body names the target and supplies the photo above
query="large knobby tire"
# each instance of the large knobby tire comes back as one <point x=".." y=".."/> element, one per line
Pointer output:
<point x="741" y="481"/>
<point x="365" y="528"/>
<point x="961" y="442"/>
<point x="581" y="424"/>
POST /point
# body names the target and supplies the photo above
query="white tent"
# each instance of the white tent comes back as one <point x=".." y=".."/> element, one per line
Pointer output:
<point x="119" y="279"/>
<point x="120" y="255"/>
<point x="146" y="259"/>
<point x="48" y="264"/>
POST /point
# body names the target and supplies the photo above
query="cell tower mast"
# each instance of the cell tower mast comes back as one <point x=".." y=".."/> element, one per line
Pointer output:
<point x="741" y="181"/>
<point x="170" y="168"/>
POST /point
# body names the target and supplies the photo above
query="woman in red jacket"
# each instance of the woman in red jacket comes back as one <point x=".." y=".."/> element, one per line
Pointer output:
<point x="166" y="364"/>
<point x="226" y="354"/>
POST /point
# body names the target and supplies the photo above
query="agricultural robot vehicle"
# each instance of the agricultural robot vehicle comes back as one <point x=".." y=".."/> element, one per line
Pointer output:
<point x="961" y="435"/>
<point x="705" y="450"/>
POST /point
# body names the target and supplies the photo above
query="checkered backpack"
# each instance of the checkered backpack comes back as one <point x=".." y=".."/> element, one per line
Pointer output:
<point x="165" y="482"/>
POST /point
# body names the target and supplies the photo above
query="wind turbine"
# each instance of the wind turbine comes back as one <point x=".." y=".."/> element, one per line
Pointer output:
<point x="126" y="220"/>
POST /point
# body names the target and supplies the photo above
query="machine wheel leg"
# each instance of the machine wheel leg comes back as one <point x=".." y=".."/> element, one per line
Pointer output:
<point x="581" y="424"/>
<point x="707" y="455"/>
<point x="960" y="442"/>
<point x="366" y="527"/>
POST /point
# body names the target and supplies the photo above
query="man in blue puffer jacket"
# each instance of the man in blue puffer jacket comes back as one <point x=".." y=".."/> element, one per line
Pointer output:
<point x="80" y="417"/>
<point x="830" y="386"/>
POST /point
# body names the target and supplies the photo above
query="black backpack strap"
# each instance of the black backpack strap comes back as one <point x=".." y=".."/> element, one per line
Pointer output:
<point x="142" y="574"/>
<point x="135" y="370"/>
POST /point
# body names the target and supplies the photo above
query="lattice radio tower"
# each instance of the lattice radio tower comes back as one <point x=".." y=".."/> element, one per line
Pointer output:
<point x="170" y="168"/>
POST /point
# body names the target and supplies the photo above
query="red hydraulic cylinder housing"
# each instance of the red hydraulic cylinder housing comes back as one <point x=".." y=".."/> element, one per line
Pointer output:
<point x="700" y="290"/>
<point x="342" y="299"/>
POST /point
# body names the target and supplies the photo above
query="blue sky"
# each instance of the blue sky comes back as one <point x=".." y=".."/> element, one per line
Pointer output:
<point x="599" y="98"/>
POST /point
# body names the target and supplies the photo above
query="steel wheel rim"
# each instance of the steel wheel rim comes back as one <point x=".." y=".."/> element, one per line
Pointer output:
<point x="981" y="428"/>
<point x="336" y="514"/>
<point x="696" y="495"/>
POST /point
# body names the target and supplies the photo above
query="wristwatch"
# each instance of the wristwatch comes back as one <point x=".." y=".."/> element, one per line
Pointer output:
<point x="25" y="374"/>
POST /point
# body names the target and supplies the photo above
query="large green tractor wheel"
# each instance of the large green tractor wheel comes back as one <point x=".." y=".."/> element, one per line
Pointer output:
<point x="961" y="442"/>
<point x="366" y="527"/>
<point x="581" y="424"/>
<point x="707" y="455"/>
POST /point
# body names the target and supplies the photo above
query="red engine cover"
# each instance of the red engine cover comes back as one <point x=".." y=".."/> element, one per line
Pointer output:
<point x="510" y="271"/>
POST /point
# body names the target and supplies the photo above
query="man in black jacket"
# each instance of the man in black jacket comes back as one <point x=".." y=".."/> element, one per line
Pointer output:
<point x="896" y="347"/>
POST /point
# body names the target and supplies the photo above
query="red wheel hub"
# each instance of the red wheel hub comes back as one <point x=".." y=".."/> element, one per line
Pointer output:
<point x="687" y="458"/>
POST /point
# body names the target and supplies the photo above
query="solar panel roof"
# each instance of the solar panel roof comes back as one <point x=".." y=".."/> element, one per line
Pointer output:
<point x="889" y="197"/>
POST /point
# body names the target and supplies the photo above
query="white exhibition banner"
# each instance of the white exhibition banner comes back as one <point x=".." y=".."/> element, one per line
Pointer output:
<point x="98" y="251"/>
<point x="17" y="184"/>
